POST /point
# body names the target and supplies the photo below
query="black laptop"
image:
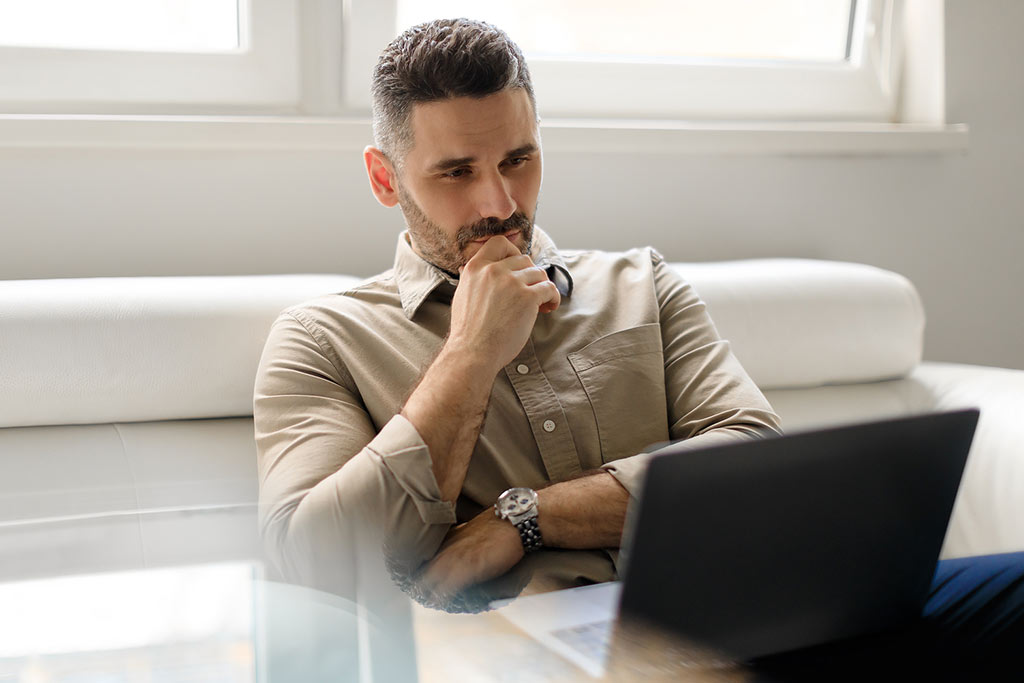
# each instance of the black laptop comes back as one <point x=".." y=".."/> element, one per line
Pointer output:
<point x="767" y="546"/>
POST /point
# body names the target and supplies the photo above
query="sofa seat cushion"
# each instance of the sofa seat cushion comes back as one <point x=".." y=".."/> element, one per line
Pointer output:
<point x="90" y="498"/>
<point x="74" y="471"/>
<point x="989" y="513"/>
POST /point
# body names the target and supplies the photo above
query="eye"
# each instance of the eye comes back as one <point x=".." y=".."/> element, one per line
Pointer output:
<point x="455" y="173"/>
<point x="517" y="161"/>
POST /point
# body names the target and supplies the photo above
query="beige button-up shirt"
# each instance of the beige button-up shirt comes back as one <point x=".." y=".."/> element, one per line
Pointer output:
<point x="628" y="359"/>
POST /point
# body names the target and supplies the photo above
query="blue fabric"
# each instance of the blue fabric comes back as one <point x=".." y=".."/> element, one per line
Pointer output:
<point x="971" y="629"/>
<point x="976" y="608"/>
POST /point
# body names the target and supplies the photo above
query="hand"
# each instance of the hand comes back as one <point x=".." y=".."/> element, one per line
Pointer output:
<point x="483" y="548"/>
<point x="496" y="304"/>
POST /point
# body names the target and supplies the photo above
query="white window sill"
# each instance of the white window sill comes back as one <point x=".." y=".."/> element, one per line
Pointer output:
<point x="22" y="131"/>
<point x="755" y="138"/>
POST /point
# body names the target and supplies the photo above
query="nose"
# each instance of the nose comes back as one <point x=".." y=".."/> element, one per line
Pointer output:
<point x="493" y="199"/>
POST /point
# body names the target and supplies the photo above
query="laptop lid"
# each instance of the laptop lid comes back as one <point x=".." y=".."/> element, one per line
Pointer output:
<point x="766" y="546"/>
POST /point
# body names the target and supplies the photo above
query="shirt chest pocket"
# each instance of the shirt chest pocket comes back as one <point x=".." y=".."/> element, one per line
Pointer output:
<point x="623" y="375"/>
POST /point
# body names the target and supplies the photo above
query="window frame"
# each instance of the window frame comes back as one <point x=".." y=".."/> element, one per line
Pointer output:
<point x="263" y="75"/>
<point x="311" y="59"/>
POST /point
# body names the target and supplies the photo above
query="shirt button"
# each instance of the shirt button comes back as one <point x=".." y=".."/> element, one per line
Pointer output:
<point x="549" y="426"/>
<point x="522" y="369"/>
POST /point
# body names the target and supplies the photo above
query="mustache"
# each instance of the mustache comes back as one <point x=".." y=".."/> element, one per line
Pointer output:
<point x="489" y="227"/>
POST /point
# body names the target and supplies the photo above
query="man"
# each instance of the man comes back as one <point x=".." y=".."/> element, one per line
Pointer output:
<point x="484" y="360"/>
<point x="487" y="370"/>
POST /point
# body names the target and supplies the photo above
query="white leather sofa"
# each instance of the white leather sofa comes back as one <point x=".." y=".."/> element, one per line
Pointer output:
<point x="125" y="403"/>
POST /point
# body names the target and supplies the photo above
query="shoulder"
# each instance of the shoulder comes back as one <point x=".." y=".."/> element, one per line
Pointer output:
<point x="637" y="274"/>
<point x="587" y="263"/>
<point x="333" y="326"/>
<point x="362" y="300"/>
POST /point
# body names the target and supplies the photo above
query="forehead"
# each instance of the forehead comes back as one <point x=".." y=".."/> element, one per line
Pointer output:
<point x="472" y="127"/>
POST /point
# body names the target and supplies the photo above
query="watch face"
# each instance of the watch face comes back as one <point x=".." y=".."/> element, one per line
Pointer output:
<point x="517" y="501"/>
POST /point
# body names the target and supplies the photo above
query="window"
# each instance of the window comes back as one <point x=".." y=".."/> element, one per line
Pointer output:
<point x="147" y="25"/>
<point x="658" y="30"/>
<point x="148" y="55"/>
<point x="689" y="59"/>
<point x="678" y="60"/>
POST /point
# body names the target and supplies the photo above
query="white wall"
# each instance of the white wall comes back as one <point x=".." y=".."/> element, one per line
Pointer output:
<point x="953" y="223"/>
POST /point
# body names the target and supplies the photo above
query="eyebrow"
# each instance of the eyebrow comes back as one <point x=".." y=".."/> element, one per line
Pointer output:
<point x="449" y="164"/>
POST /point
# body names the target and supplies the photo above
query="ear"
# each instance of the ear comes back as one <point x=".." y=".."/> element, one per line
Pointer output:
<point x="382" y="176"/>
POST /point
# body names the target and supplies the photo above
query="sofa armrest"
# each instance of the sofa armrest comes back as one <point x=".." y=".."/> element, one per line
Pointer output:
<point x="989" y="512"/>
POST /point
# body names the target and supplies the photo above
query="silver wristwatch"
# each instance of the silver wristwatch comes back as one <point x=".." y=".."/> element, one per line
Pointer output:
<point x="519" y="506"/>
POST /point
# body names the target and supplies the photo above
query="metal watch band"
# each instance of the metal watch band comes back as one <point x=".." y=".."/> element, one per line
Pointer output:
<point x="529" y="533"/>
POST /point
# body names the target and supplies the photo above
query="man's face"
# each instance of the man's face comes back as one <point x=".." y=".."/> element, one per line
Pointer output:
<point x="474" y="171"/>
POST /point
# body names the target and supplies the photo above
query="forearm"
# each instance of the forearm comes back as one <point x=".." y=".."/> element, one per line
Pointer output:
<point x="494" y="309"/>
<point x="579" y="514"/>
<point x="373" y="518"/>
<point x="447" y="408"/>
<point x="583" y="513"/>
<point x="590" y="512"/>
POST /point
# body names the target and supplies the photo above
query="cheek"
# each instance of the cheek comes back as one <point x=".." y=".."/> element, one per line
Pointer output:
<point x="528" y="189"/>
<point x="446" y="210"/>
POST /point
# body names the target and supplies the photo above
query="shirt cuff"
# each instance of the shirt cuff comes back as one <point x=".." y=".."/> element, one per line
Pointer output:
<point x="401" y="450"/>
<point x="629" y="472"/>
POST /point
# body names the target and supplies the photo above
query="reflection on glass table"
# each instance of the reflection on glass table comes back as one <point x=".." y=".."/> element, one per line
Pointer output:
<point x="183" y="623"/>
<point x="217" y="622"/>
<point x="182" y="595"/>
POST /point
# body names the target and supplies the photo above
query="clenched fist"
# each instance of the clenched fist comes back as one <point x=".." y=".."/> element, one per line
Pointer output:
<point x="496" y="304"/>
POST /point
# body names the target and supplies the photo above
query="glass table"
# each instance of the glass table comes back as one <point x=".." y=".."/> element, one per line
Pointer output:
<point x="183" y="595"/>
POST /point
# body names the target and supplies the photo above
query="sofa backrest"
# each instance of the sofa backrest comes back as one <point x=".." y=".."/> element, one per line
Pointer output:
<point x="103" y="350"/>
<point x="797" y="323"/>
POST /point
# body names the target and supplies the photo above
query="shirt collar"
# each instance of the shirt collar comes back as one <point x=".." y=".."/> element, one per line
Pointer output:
<point x="417" y="279"/>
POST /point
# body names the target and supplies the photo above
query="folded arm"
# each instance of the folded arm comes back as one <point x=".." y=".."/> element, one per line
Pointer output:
<point x="711" y="400"/>
<point x="334" y="491"/>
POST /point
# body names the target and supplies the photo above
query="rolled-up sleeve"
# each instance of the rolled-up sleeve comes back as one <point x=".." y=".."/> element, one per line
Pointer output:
<point x="331" y="484"/>
<point x="711" y="398"/>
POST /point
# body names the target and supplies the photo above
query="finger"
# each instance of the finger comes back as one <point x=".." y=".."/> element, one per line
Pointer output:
<point x="430" y="577"/>
<point x="495" y="249"/>
<point x="518" y="262"/>
<point x="444" y="579"/>
<point x="531" y="275"/>
<point x="434" y="575"/>
<point x="548" y="298"/>
<point x="508" y="247"/>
